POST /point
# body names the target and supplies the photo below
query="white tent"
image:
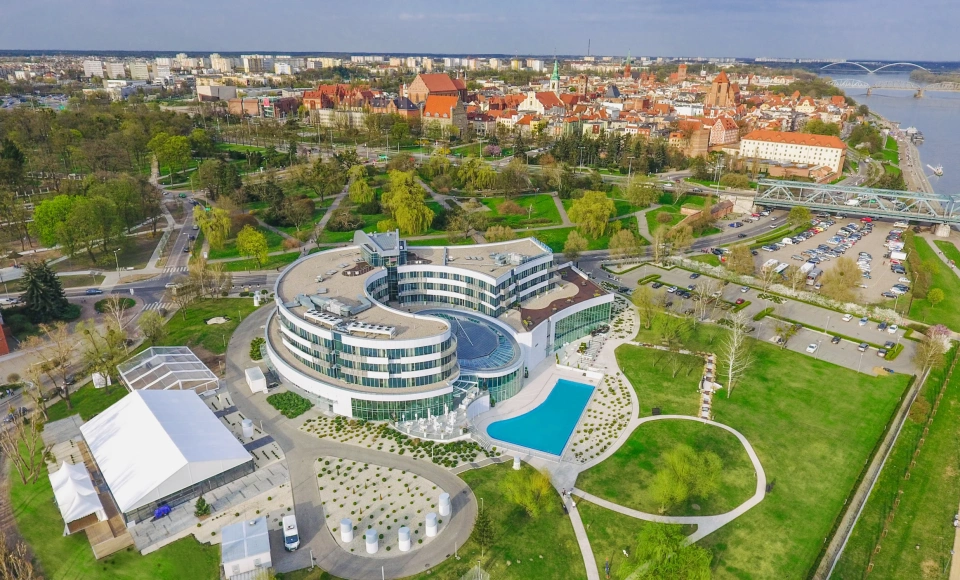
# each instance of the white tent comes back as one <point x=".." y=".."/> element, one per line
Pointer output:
<point x="76" y="497"/>
<point x="245" y="547"/>
<point x="151" y="444"/>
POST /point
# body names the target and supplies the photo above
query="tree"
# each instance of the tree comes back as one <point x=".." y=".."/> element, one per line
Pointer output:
<point x="361" y="192"/>
<point x="623" y="243"/>
<point x="929" y="353"/>
<point x="643" y="191"/>
<point x="49" y="215"/>
<point x="186" y="291"/>
<point x="575" y="245"/>
<point x="499" y="234"/>
<point x="12" y="162"/>
<point x="22" y="444"/>
<point x="672" y="331"/>
<point x="686" y="474"/>
<point x="935" y="296"/>
<point x="841" y="282"/>
<point x="529" y="489"/>
<point x="740" y="260"/>
<point x="299" y="212"/>
<point x="659" y="244"/>
<point x="215" y="225"/>
<point x="252" y="244"/>
<point x="663" y="552"/>
<point x="799" y="215"/>
<point x="44" y="296"/>
<point x="405" y="203"/>
<point x="705" y="290"/>
<point x="219" y="178"/>
<point x="591" y="213"/>
<point x="152" y="326"/>
<point x="735" y="180"/>
<point x="15" y="560"/>
<point x="483" y="532"/>
<point x="201" y="507"/>
<point x="735" y="356"/>
<point x="647" y="304"/>
<point x="115" y="309"/>
<point x="818" y="127"/>
<point x="515" y="177"/>
<point x="681" y="238"/>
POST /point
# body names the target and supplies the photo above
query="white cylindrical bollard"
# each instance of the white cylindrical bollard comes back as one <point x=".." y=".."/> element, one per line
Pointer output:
<point x="246" y="426"/>
<point x="444" y="504"/>
<point x="346" y="530"/>
<point x="516" y="463"/>
<point x="404" y="536"/>
<point x="431" y="524"/>
<point x="373" y="543"/>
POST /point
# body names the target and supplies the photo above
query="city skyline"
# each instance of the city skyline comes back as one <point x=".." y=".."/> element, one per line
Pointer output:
<point x="743" y="28"/>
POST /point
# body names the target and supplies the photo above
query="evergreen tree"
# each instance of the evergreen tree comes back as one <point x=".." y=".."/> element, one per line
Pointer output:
<point x="44" y="296"/>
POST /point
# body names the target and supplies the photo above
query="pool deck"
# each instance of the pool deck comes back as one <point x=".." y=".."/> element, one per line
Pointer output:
<point x="533" y="394"/>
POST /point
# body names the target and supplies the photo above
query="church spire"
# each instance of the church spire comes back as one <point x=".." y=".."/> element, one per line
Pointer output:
<point x="556" y="71"/>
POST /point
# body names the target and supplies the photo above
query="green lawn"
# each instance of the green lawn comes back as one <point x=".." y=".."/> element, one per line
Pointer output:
<point x="948" y="311"/>
<point x="927" y="503"/>
<point x="544" y="212"/>
<point x="369" y="225"/>
<point x="710" y="259"/>
<point x="135" y="252"/>
<point x="473" y="150"/>
<point x="229" y="250"/>
<point x="541" y="547"/>
<point x="65" y="281"/>
<point x="812" y="424"/>
<point x="611" y="533"/>
<point x="440" y="241"/>
<point x="70" y="557"/>
<point x="272" y="263"/>
<point x="87" y="401"/>
<point x="556" y="237"/>
<point x="240" y="148"/>
<point x="625" y="477"/>
<point x="949" y="250"/>
<point x="187" y="327"/>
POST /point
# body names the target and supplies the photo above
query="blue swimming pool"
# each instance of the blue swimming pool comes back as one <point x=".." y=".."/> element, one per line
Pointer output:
<point x="547" y="427"/>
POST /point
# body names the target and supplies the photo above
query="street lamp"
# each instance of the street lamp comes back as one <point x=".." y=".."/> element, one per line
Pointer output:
<point x="118" y="262"/>
<point x="581" y="158"/>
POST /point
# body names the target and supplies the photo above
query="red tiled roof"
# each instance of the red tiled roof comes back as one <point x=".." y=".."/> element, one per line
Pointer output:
<point x="727" y="123"/>
<point x="439" y="105"/>
<point x="721" y="78"/>
<point x="549" y="99"/>
<point x="796" y="139"/>
<point x="440" y="83"/>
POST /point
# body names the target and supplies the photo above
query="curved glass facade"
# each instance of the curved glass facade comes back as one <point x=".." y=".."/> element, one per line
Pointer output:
<point x="400" y="410"/>
<point x="580" y="324"/>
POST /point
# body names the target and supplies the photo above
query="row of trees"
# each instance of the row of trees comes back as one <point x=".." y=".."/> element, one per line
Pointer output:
<point x="626" y="153"/>
<point x="96" y="213"/>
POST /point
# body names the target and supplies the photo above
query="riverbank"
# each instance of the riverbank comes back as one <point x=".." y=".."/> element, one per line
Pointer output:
<point x="911" y="166"/>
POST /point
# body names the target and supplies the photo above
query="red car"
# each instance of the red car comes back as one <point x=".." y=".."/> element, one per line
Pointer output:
<point x="866" y="220"/>
<point x="740" y="300"/>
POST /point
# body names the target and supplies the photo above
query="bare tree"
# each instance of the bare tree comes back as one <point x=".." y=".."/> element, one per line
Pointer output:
<point x="797" y="277"/>
<point x="199" y="276"/>
<point x="184" y="294"/>
<point x="22" y="444"/>
<point x="768" y="277"/>
<point x="704" y="292"/>
<point x="929" y="354"/>
<point x="101" y="349"/>
<point x="646" y="302"/>
<point x="115" y="309"/>
<point x="734" y="353"/>
<point x="220" y="280"/>
<point x="51" y="357"/>
<point x="659" y="244"/>
<point x="15" y="560"/>
<point x="152" y="326"/>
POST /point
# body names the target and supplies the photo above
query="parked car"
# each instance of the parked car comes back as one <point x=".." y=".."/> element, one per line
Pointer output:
<point x="741" y="235"/>
<point x="656" y="285"/>
<point x="672" y="289"/>
<point x="93" y="291"/>
<point x="888" y="295"/>
<point x="882" y="326"/>
<point x="882" y="353"/>
<point x="892" y="329"/>
<point x="694" y="276"/>
<point x="847" y="317"/>
<point x="740" y="301"/>
<point x="812" y="348"/>
<point x="863" y="347"/>
<point x="835" y="340"/>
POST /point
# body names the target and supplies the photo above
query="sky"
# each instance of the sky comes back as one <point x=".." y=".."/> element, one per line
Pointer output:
<point x="851" y="29"/>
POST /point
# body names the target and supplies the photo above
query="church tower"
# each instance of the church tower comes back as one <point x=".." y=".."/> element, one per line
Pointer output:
<point x="555" y="79"/>
<point x="627" y="73"/>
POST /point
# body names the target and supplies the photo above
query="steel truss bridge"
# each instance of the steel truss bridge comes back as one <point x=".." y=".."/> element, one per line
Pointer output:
<point x="861" y="201"/>
<point x="894" y="85"/>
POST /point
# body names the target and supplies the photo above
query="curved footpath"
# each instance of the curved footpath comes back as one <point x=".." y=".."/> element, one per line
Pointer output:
<point x="302" y="450"/>
<point x="706" y="525"/>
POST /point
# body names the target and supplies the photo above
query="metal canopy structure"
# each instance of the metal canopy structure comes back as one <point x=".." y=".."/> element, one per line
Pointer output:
<point x="862" y="201"/>
<point x="167" y="367"/>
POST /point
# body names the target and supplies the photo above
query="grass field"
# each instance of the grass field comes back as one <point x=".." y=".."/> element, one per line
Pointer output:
<point x="440" y="241"/>
<point x="541" y="547"/>
<point x="711" y="259"/>
<point x="135" y="252"/>
<point x="320" y="208"/>
<point x="625" y="477"/>
<point x="369" y="225"/>
<point x="611" y="533"/>
<point x="927" y="502"/>
<point x="473" y="150"/>
<point x="272" y="263"/>
<point x="948" y="311"/>
<point x="949" y="250"/>
<point x="70" y="557"/>
<point x="187" y="327"/>
<point x="87" y="401"/>
<point x="543" y="208"/>
<point x="812" y="424"/>
<point x="556" y="237"/>
<point x="229" y="250"/>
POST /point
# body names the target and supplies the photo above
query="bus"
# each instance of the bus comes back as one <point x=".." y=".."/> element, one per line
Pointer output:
<point x="813" y="275"/>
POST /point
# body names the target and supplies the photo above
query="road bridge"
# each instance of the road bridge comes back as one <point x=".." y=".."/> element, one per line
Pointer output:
<point x="895" y="85"/>
<point x="861" y="201"/>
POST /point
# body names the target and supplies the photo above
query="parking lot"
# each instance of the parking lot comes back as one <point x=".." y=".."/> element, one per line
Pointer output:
<point x="881" y="280"/>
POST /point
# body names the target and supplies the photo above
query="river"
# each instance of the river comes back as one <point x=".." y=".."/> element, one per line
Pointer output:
<point x="936" y="115"/>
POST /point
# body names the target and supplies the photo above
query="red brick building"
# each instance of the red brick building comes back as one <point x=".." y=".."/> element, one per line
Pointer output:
<point x="724" y="131"/>
<point x="439" y="84"/>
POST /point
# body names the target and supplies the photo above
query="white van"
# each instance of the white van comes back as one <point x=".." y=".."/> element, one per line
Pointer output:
<point x="900" y="224"/>
<point x="291" y="537"/>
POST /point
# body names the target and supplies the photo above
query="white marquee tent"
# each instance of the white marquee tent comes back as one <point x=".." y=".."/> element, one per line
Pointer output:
<point x="76" y="497"/>
<point x="152" y="444"/>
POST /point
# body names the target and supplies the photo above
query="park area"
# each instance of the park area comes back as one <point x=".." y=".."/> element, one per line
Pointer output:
<point x="947" y="311"/>
<point x="812" y="424"/>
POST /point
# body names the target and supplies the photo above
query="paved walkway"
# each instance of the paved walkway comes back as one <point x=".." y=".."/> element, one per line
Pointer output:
<point x="706" y="525"/>
<point x="333" y="206"/>
<point x="302" y="450"/>
<point x="564" y="218"/>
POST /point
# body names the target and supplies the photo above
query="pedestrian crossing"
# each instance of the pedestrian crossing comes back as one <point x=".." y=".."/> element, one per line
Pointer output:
<point x="175" y="269"/>
<point x="159" y="306"/>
